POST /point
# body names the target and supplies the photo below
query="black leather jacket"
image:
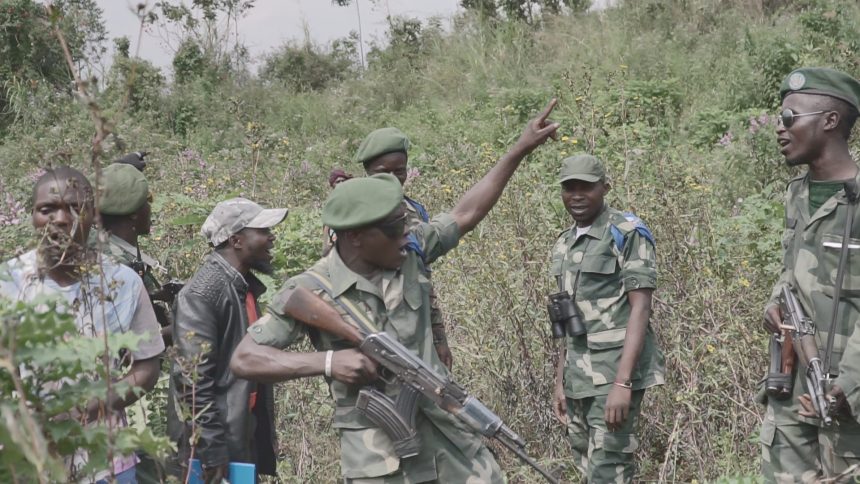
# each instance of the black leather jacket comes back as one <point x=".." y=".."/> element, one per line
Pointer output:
<point x="210" y="312"/>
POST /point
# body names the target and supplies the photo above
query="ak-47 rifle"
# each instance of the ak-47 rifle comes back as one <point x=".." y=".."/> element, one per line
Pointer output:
<point x="397" y="416"/>
<point x="803" y="339"/>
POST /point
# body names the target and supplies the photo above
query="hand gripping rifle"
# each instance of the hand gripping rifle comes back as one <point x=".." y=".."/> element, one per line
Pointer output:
<point x="397" y="416"/>
<point x="803" y="339"/>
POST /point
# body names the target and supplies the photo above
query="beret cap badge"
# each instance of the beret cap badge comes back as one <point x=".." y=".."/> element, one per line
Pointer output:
<point x="796" y="81"/>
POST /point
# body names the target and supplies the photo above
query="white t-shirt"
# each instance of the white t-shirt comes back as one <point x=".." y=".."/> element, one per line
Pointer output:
<point x="118" y="302"/>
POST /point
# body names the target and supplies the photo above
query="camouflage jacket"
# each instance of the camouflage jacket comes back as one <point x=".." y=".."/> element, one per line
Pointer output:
<point x="401" y="309"/>
<point x="812" y="244"/>
<point x="605" y="275"/>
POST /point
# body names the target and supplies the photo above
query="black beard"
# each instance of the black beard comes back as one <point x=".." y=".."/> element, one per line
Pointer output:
<point x="263" y="266"/>
<point x="791" y="162"/>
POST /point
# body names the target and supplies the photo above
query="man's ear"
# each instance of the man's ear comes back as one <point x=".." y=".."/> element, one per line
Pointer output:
<point x="236" y="241"/>
<point x="606" y="186"/>
<point x="832" y="120"/>
<point x="354" y="237"/>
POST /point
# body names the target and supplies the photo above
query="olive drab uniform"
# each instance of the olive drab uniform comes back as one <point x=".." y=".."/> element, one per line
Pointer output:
<point x="146" y="267"/>
<point x="399" y="304"/>
<point x="614" y="256"/>
<point x="794" y="448"/>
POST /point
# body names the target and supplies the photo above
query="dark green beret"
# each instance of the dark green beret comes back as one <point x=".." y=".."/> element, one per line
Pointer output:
<point x="380" y="142"/>
<point x="362" y="201"/>
<point x="124" y="190"/>
<point x="823" y="81"/>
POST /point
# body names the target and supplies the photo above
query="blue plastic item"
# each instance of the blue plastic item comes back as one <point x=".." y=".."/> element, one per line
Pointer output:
<point x="240" y="473"/>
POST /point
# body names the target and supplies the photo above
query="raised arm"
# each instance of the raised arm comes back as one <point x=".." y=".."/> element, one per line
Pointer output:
<point x="477" y="202"/>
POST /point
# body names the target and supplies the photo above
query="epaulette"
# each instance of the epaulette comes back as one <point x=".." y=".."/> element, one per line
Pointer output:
<point x="630" y="223"/>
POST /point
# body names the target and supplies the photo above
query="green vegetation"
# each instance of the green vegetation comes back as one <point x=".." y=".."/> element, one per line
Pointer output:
<point x="676" y="96"/>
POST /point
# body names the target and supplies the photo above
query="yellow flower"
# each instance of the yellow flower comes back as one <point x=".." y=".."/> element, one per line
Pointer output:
<point x="574" y="141"/>
<point x="623" y="66"/>
<point x="710" y="348"/>
<point x="564" y="138"/>
<point x="563" y="153"/>
<point x="579" y="98"/>
<point x="744" y="282"/>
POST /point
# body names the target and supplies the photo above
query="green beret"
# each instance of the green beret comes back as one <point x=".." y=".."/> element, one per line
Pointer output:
<point x="362" y="201"/>
<point x="380" y="142"/>
<point x="124" y="190"/>
<point x="581" y="167"/>
<point x="823" y="81"/>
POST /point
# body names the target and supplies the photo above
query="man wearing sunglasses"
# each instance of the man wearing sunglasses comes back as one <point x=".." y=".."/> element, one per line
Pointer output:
<point x="821" y="245"/>
<point x="386" y="150"/>
<point x="371" y="268"/>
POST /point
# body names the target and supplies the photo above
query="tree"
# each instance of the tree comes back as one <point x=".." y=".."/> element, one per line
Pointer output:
<point x="30" y="55"/>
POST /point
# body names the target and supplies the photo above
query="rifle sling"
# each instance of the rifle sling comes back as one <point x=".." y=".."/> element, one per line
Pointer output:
<point x="840" y="276"/>
<point x="360" y="317"/>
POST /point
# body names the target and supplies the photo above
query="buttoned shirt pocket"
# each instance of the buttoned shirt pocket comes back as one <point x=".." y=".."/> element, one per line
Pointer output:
<point x="828" y="265"/>
<point x="405" y="319"/>
<point x="598" y="278"/>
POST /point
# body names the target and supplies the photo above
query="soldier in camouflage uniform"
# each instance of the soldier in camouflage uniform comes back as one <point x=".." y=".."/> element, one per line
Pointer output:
<point x="819" y="108"/>
<point x="371" y="268"/>
<point x="386" y="151"/>
<point x="606" y="262"/>
<point x="125" y="211"/>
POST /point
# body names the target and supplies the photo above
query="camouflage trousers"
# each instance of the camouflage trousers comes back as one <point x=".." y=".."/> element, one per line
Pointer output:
<point x="602" y="456"/>
<point x="440" y="461"/>
<point x="796" y="450"/>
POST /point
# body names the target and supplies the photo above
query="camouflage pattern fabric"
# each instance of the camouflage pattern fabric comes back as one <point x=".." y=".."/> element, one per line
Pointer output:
<point x="602" y="456"/>
<point x="796" y="450"/>
<point x="794" y="447"/>
<point x="606" y="274"/>
<point x="399" y="304"/>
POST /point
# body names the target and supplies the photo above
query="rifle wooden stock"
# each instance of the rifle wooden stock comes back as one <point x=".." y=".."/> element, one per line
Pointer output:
<point x="305" y="306"/>
<point x="788" y="356"/>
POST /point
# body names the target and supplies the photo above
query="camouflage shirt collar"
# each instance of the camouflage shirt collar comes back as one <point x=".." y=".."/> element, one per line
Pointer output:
<point x="132" y="251"/>
<point x="598" y="226"/>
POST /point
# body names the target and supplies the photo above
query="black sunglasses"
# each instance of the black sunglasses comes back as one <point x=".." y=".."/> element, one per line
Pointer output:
<point x="787" y="116"/>
<point x="393" y="228"/>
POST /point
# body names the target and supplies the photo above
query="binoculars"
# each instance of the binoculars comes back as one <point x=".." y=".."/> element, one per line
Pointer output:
<point x="564" y="316"/>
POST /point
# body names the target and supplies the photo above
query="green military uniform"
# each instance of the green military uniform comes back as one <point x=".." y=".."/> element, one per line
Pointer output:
<point x="795" y="447"/>
<point x="389" y="140"/>
<point x="606" y="273"/>
<point x="398" y="302"/>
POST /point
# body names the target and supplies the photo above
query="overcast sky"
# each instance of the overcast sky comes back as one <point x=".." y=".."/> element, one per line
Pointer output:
<point x="272" y="22"/>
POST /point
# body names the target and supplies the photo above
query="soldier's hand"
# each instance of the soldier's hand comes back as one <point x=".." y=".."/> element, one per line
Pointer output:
<point x="539" y="129"/>
<point x="807" y="409"/>
<point x="559" y="404"/>
<point x="353" y="367"/>
<point x="772" y="318"/>
<point x="617" y="407"/>
<point x="444" y="353"/>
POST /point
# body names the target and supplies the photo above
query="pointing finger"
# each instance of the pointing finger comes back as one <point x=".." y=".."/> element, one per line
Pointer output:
<point x="547" y="110"/>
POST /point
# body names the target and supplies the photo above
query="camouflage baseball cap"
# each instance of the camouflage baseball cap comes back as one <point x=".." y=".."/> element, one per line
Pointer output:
<point x="124" y="190"/>
<point x="235" y="214"/>
<point x="822" y="81"/>
<point x="362" y="201"/>
<point x="381" y="142"/>
<point x="582" y="167"/>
